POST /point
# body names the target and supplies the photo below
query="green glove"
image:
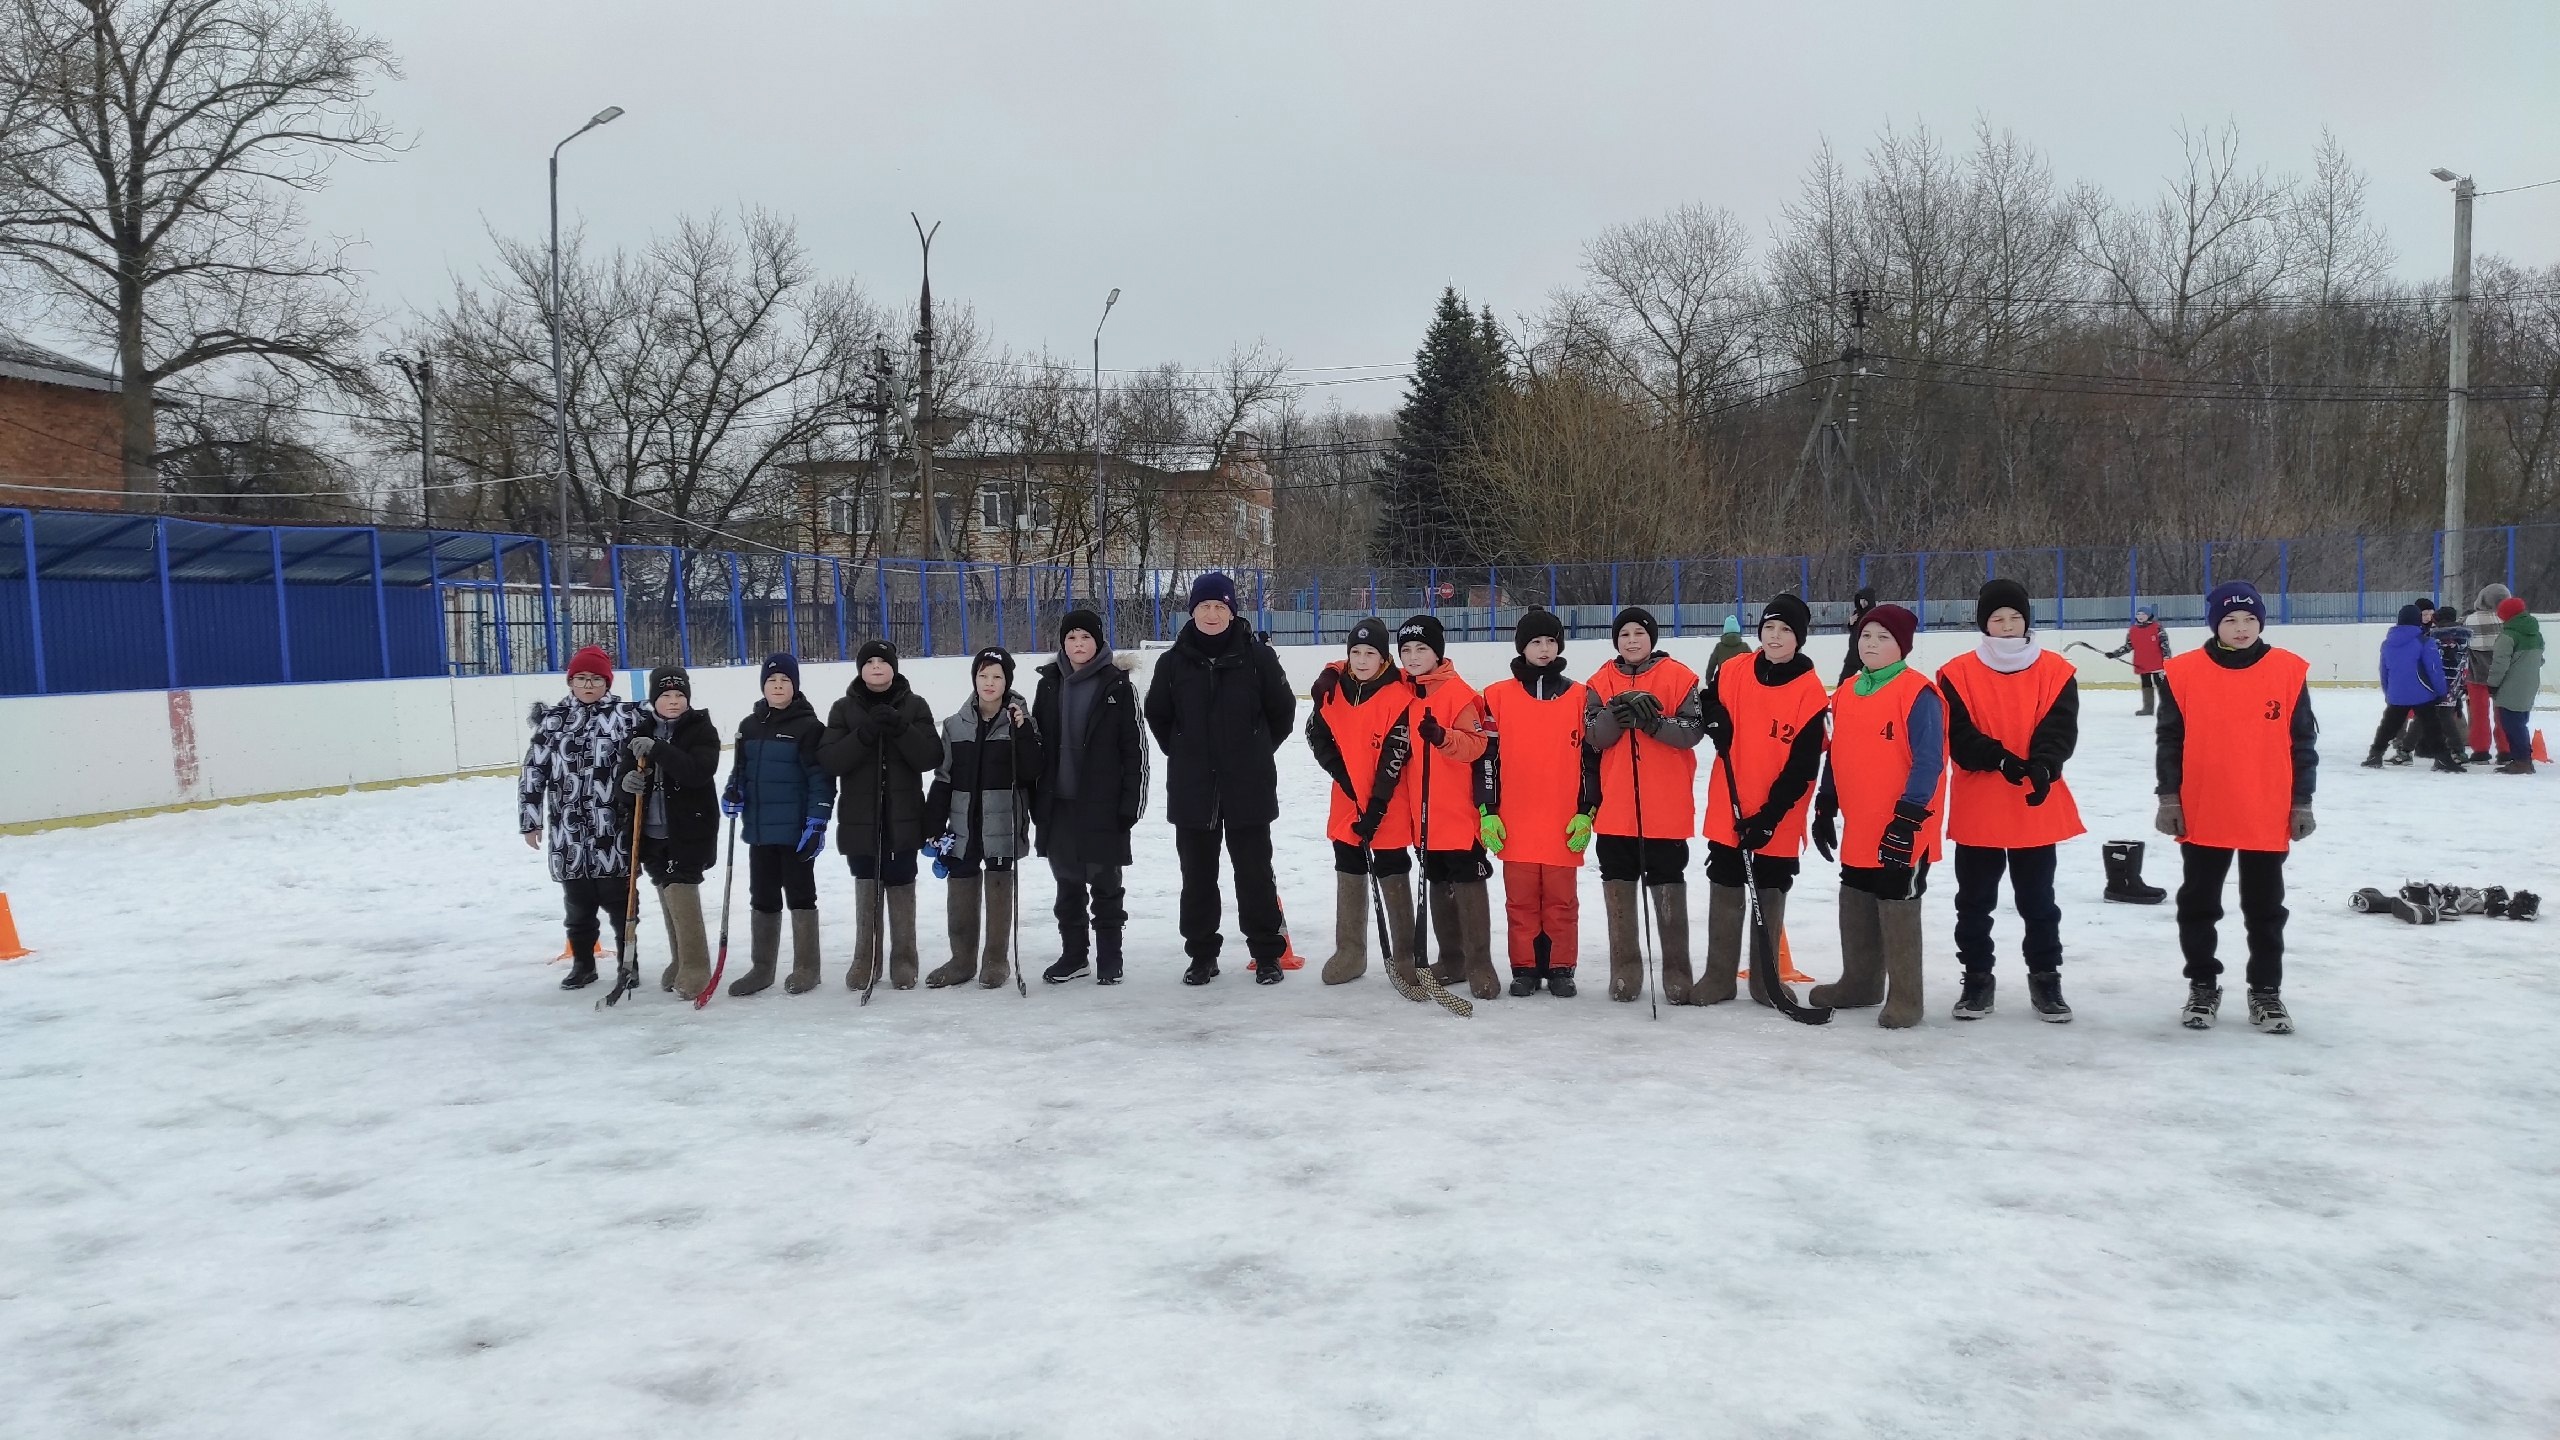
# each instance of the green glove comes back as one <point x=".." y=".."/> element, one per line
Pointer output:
<point x="1489" y="826"/>
<point x="1577" y="834"/>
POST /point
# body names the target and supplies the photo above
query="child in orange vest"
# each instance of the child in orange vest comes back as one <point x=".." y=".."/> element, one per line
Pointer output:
<point x="1357" y="730"/>
<point x="1537" y="810"/>
<point x="2013" y="719"/>
<point x="2238" y="758"/>
<point x="1448" y="718"/>
<point x="1765" y="711"/>
<point x="1643" y="720"/>
<point x="1887" y="780"/>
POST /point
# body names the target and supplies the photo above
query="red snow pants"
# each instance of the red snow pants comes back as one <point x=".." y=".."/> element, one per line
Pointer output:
<point x="1539" y="902"/>
<point x="2479" y="694"/>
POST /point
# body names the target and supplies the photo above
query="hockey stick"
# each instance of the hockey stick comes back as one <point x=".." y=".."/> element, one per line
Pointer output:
<point x="728" y="887"/>
<point x="2101" y="654"/>
<point x="1764" y="946"/>
<point x="1013" y="902"/>
<point x="626" y="974"/>
<point x="1386" y="941"/>
<point x="1644" y="897"/>
<point x="1431" y="984"/>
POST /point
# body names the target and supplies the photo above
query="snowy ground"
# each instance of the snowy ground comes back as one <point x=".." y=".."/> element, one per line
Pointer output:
<point x="303" y="1142"/>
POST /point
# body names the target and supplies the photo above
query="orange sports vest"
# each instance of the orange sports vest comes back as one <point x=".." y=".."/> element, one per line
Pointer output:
<point x="1541" y="769"/>
<point x="2238" y="750"/>
<point x="1359" y="732"/>
<point x="1871" y="766"/>
<point x="1670" y="774"/>
<point x="1453" y="782"/>
<point x="1985" y="808"/>
<point x="1766" y="722"/>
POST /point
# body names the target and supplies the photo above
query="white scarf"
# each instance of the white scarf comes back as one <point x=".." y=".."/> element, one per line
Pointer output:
<point x="2008" y="654"/>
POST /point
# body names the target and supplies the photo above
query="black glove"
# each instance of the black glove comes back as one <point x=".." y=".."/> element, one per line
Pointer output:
<point x="1717" y="723"/>
<point x="1432" y="730"/>
<point x="1644" y="710"/>
<point x="1365" y="828"/>
<point x="1826" y="835"/>
<point x="1901" y="834"/>
<point x="2040" y="779"/>
<point x="641" y="745"/>
<point x="1326" y="684"/>
<point x="884" y="722"/>
<point x="2012" y="769"/>
<point x="1756" y="831"/>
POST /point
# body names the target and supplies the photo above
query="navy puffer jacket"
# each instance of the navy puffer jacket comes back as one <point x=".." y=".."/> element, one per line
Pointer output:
<point x="777" y="775"/>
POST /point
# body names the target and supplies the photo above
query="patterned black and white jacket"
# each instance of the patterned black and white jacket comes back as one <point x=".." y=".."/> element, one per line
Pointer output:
<point x="572" y="767"/>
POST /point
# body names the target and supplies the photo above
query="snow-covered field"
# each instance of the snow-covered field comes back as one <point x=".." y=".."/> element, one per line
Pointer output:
<point x="301" y="1140"/>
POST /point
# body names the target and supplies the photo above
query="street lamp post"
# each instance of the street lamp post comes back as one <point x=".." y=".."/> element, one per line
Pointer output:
<point x="2457" y="394"/>
<point x="1098" y="553"/>
<point x="559" y="374"/>
<point x="422" y="379"/>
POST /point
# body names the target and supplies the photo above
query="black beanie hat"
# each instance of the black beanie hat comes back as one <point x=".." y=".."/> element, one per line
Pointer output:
<point x="1791" y="612"/>
<point x="1425" y="628"/>
<point x="876" y="650"/>
<point x="1533" y="624"/>
<point x="670" y="677"/>
<point x="992" y="655"/>
<point x="1084" y="620"/>
<point x="783" y="664"/>
<point x="1371" y="632"/>
<point x="2409" y="615"/>
<point x="1635" y="615"/>
<point x="2003" y="594"/>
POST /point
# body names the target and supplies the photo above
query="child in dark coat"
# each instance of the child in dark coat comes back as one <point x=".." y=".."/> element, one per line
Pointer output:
<point x="675" y="762"/>
<point x="782" y="796"/>
<point x="1092" y="786"/>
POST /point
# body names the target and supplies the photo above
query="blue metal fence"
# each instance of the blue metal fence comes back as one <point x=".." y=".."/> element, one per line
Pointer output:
<point x="94" y="601"/>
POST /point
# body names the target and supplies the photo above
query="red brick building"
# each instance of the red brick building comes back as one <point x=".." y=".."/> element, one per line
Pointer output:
<point x="61" y="428"/>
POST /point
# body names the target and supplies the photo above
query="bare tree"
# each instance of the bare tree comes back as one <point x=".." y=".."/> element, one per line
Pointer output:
<point x="156" y="151"/>
<point x="2203" y="256"/>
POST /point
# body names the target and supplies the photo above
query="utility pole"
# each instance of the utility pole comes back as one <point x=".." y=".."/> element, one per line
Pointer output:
<point x="421" y="375"/>
<point x="926" y="426"/>
<point x="2457" y="394"/>
<point x="1856" y="362"/>
<point x="881" y="370"/>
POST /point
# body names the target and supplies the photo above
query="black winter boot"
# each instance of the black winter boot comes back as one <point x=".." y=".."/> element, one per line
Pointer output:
<point x="2044" y="991"/>
<point x="1200" y="971"/>
<point x="1524" y="981"/>
<point x="1267" y="972"/>
<point x="1974" y="1001"/>
<point x="582" y="965"/>
<point x="1560" y="983"/>
<point x="1106" y="961"/>
<point x="2124" y="874"/>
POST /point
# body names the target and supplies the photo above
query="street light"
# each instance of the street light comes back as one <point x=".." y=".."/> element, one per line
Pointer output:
<point x="2457" y="392"/>
<point x="559" y="377"/>
<point x="1108" y="301"/>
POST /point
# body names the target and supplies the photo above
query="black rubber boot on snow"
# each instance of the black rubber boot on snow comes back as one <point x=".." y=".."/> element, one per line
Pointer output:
<point x="582" y="965"/>
<point x="2124" y="874"/>
<point x="1974" y="1001"/>
<point x="1106" y="959"/>
<point x="2044" y="991"/>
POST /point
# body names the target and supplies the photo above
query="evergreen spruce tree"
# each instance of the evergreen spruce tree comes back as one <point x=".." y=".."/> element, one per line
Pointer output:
<point x="1458" y="377"/>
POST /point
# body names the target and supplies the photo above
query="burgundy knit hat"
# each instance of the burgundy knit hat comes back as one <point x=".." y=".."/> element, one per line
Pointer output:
<point x="1901" y="624"/>
<point x="591" y="660"/>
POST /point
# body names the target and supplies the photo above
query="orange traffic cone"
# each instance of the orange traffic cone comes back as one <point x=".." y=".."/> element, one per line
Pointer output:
<point x="10" y="949"/>
<point x="602" y="954"/>
<point x="2541" y="752"/>
<point x="1290" y="959"/>
<point x="1787" y="970"/>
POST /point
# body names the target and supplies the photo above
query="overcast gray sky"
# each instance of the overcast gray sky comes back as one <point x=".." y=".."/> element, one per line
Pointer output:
<point x="1312" y="173"/>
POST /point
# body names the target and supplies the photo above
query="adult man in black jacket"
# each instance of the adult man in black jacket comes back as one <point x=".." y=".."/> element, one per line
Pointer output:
<point x="1220" y="705"/>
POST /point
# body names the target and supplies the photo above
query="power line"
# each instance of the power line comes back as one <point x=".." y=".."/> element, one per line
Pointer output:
<point x="2510" y="190"/>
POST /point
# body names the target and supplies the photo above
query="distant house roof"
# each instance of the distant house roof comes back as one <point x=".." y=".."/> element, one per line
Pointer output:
<point x="20" y="360"/>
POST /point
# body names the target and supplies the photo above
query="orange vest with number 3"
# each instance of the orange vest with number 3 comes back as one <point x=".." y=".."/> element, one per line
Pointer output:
<point x="2237" y="785"/>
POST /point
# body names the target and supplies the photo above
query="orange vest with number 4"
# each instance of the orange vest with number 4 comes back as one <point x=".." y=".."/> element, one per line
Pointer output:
<point x="2237" y="785"/>
<point x="1871" y="768"/>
